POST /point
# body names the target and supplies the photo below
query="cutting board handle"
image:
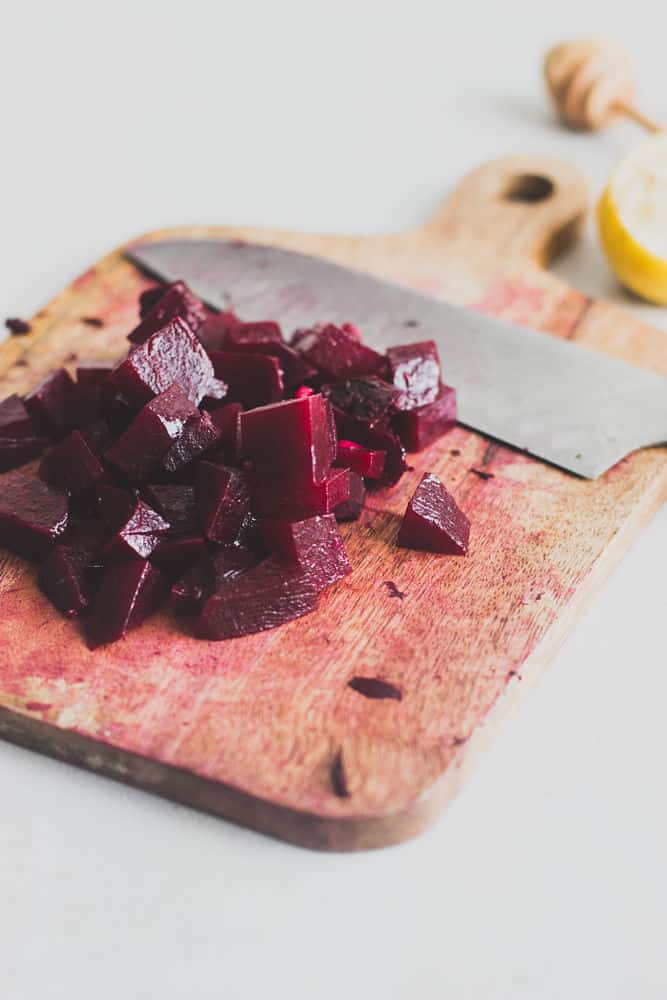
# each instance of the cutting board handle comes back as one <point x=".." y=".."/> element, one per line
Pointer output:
<point x="525" y="208"/>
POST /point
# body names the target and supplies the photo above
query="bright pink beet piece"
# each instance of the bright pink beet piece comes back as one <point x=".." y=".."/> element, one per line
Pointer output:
<point x="314" y="545"/>
<point x="209" y="575"/>
<point x="282" y="500"/>
<point x="135" y="528"/>
<point x="251" y="379"/>
<point x="171" y="355"/>
<point x="32" y="515"/>
<point x="52" y="405"/>
<point x="291" y="442"/>
<point x="370" y="400"/>
<point x="364" y="461"/>
<point x="128" y="594"/>
<point x="337" y="354"/>
<point x="224" y="502"/>
<point x="414" y="369"/>
<point x="175" y="302"/>
<point x="139" y="450"/>
<point x="69" y="577"/>
<point x="420" y="427"/>
<point x="72" y="465"/>
<point x="268" y="595"/>
<point x="433" y="521"/>
<point x="214" y="331"/>
<point x="19" y="441"/>
<point x="177" y="504"/>
<point x="375" y="439"/>
<point x="351" y="330"/>
<point x="350" y="509"/>
<point x="199" y="434"/>
<point x="303" y="391"/>
<point x="174" y="556"/>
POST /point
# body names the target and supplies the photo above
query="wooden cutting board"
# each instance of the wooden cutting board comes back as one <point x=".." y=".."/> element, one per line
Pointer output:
<point x="269" y="730"/>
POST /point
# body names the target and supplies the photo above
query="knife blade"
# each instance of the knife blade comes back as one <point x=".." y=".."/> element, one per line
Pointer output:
<point x="567" y="404"/>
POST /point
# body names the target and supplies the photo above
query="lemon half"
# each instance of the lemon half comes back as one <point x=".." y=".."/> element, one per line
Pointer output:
<point x="632" y="219"/>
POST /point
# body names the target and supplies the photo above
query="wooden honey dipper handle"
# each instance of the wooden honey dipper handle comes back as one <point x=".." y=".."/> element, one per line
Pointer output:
<point x="592" y="82"/>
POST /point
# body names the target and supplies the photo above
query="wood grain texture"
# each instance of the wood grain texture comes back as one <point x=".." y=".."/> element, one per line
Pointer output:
<point x="266" y="730"/>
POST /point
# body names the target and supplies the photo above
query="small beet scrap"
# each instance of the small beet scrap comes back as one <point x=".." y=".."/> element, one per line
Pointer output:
<point x="199" y="434"/>
<point x="72" y="465"/>
<point x="364" y="461"/>
<point x="209" y="575"/>
<point x="433" y="521"/>
<point x="224" y="502"/>
<point x="251" y="379"/>
<point x="314" y="545"/>
<point x="177" y="504"/>
<point x="350" y="509"/>
<point x="69" y="577"/>
<point x="292" y="442"/>
<point x="277" y="500"/>
<point x="136" y="529"/>
<point x="369" y="400"/>
<point x="176" y="301"/>
<point x="336" y="353"/>
<point x="33" y="516"/>
<point x="139" y="450"/>
<point x="414" y="369"/>
<point x="53" y="404"/>
<point x="171" y="355"/>
<point x="268" y="595"/>
<point x="422" y="426"/>
<point x="128" y="594"/>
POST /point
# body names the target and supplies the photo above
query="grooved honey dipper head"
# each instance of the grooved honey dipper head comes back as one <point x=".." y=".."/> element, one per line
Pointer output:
<point x="590" y="82"/>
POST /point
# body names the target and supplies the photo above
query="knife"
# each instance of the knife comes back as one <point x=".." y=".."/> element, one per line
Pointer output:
<point x="571" y="406"/>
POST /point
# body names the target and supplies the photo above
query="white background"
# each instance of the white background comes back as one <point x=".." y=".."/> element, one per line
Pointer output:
<point x="547" y="876"/>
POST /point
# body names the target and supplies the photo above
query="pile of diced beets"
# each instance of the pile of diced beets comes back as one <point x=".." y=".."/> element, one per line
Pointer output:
<point x="212" y="464"/>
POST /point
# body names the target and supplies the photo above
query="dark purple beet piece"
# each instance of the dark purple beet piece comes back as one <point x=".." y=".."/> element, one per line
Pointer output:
<point x="375" y="439"/>
<point x="295" y="503"/>
<point x="291" y="442"/>
<point x="150" y="297"/>
<point x="32" y="515"/>
<point x="177" y="504"/>
<point x="337" y="354"/>
<point x="72" y="465"/>
<point x="414" y="369"/>
<point x="252" y="379"/>
<point x="19" y="442"/>
<point x="128" y="594"/>
<point x="52" y="405"/>
<point x="199" y="434"/>
<point x="69" y="577"/>
<point x="136" y="529"/>
<point x="209" y="575"/>
<point x="175" y="302"/>
<point x="268" y="595"/>
<point x="420" y="427"/>
<point x="151" y="434"/>
<point x="256" y="333"/>
<point x="314" y="545"/>
<point x="364" y="461"/>
<point x="214" y="331"/>
<point x="370" y="400"/>
<point x="266" y="338"/>
<point x="171" y="355"/>
<point x="226" y="419"/>
<point x="350" y="509"/>
<point x="17" y="327"/>
<point x="15" y="420"/>
<point x="433" y="521"/>
<point x="174" y="556"/>
<point x="93" y="390"/>
<point x="224" y="502"/>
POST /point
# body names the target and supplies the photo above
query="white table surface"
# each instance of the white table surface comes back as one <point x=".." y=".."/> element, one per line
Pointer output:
<point x="546" y="878"/>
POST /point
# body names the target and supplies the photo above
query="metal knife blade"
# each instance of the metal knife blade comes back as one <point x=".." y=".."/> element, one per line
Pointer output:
<point x="574" y="407"/>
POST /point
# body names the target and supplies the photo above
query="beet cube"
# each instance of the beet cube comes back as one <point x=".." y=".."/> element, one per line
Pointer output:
<point x="280" y="500"/>
<point x="314" y="545"/>
<point x="72" y="465"/>
<point x="93" y="390"/>
<point x="177" y="504"/>
<point x="226" y="419"/>
<point x="337" y="354"/>
<point x="136" y="529"/>
<point x="32" y="515"/>
<point x="364" y="461"/>
<point x="150" y="297"/>
<point x="214" y="331"/>
<point x="420" y="427"/>
<point x="171" y="355"/>
<point x="350" y="509"/>
<point x="69" y="577"/>
<point x="252" y="379"/>
<point x="19" y="441"/>
<point x="259" y="332"/>
<point x="15" y="420"/>
<point x="433" y="521"/>
<point x="303" y="391"/>
<point x="199" y="434"/>
<point x="53" y="404"/>
<point x="176" y="555"/>
<point x="266" y="338"/>
<point x="267" y="595"/>
<point x="291" y="442"/>
<point x="375" y="439"/>
<point x="224" y="502"/>
<point x="128" y="594"/>
<point x="370" y="400"/>
<point x="151" y="434"/>
<point x="209" y="575"/>
<point x="415" y="370"/>
<point x="174" y="302"/>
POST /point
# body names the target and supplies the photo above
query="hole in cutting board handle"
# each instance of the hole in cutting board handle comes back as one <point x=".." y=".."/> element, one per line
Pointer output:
<point x="529" y="188"/>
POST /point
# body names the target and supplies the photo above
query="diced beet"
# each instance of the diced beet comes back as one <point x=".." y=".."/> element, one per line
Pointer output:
<point x="363" y="461"/>
<point x="69" y="577"/>
<point x="52" y="405"/>
<point x="375" y="439"/>
<point x="314" y="545"/>
<point x="258" y="332"/>
<point x="433" y="521"/>
<point x="295" y="503"/>
<point x="371" y="400"/>
<point x="128" y="594"/>
<point x="268" y="595"/>
<point x="93" y="390"/>
<point x="151" y="434"/>
<point x="226" y="419"/>
<point x="175" y="302"/>
<point x="171" y="355"/>
<point x="19" y="441"/>
<point x="350" y="509"/>
<point x="224" y="502"/>
<point x="209" y="575"/>
<point x="415" y="370"/>
<point x="175" y="556"/>
<point x="150" y="297"/>
<point x="15" y="421"/>
<point x="199" y="434"/>
<point x="72" y="465"/>
<point x="214" y="330"/>
<point x="337" y="354"/>
<point x="266" y="338"/>
<point x="136" y="529"/>
<point x="252" y="379"/>
<point x="291" y="442"/>
<point x="177" y="504"/>
<point x="420" y="427"/>
<point x="94" y="374"/>
<point x="32" y="515"/>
